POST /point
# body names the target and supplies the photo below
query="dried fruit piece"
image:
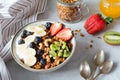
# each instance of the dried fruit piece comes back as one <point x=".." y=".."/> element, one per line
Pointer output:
<point x="112" y="37"/>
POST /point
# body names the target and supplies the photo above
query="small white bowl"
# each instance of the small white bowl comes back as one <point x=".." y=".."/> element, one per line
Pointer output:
<point x="16" y="58"/>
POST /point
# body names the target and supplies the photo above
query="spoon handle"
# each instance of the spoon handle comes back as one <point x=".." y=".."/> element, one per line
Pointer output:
<point x="97" y="76"/>
<point x="93" y="73"/>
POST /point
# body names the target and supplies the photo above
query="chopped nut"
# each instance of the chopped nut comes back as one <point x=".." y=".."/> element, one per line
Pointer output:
<point x="91" y="45"/>
<point x="99" y="37"/>
<point x="78" y="30"/>
<point x="91" y="41"/>
<point x="75" y="33"/>
<point x="82" y="35"/>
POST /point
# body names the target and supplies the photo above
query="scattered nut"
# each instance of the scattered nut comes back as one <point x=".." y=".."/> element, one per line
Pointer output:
<point x="82" y="35"/>
<point x="91" y="41"/>
<point x="78" y="30"/>
<point x="91" y="45"/>
<point x="99" y="37"/>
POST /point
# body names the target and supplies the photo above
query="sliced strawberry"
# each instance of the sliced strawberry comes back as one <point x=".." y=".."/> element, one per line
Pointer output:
<point x="65" y="34"/>
<point x="91" y="20"/>
<point x="55" y="28"/>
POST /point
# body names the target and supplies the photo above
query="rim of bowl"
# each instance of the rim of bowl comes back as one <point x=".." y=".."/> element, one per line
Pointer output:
<point x="39" y="70"/>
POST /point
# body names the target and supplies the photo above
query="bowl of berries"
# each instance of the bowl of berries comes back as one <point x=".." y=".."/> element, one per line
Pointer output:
<point x="43" y="46"/>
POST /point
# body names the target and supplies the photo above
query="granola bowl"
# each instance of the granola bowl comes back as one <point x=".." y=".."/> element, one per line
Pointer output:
<point x="43" y="46"/>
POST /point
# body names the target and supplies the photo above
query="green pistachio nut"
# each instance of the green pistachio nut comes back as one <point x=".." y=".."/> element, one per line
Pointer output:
<point x="66" y="54"/>
<point x="54" y="47"/>
<point x="60" y="53"/>
<point x="52" y="53"/>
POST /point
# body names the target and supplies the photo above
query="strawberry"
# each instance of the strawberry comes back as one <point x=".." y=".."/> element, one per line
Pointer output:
<point x="96" y="23"/>
<point x="65" y="34"/>
<point x="55" y="28"/>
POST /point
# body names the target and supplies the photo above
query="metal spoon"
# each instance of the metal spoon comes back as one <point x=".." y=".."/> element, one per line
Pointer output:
<point x="98" y="61"/>
<point x="105" y="68"/>
<point x="85" y="71"/>
<point x="99" y="58"/>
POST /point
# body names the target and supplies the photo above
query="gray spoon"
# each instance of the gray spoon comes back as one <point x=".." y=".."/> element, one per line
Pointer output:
<point x="105" y="68"/>
<point x="98" y="61"/>
<point x="85" y="71"/>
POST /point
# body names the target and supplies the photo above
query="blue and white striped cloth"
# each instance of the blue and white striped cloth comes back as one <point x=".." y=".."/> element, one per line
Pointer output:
<point x="22" y="12"/>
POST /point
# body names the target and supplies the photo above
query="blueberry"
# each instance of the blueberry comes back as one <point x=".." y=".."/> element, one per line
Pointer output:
<point x="32" y="45"/>
<point x="43" y="61"/>
<point x="24" y="34"/>
<point x="38" y="39"/>
<point x="48" y="24"/>
<point x="40" y="52"/>
<point x="21" y="41"/>
<point x="25" y="31"/>
<point x="29" y="33"/>
<point x="38" y="57"/>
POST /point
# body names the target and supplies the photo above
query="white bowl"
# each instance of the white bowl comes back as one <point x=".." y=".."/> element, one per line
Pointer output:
<point x="16" y="58"/>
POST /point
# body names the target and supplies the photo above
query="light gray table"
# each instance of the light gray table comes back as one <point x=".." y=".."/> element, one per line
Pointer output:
<point x="70" y="71"/>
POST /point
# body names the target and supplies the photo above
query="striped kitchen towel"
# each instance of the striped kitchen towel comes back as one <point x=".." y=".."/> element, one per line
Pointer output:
<point x="22" y="12"/>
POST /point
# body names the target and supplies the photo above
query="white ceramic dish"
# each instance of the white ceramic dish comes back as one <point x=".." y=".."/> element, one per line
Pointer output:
<point x="16" y="58"/>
